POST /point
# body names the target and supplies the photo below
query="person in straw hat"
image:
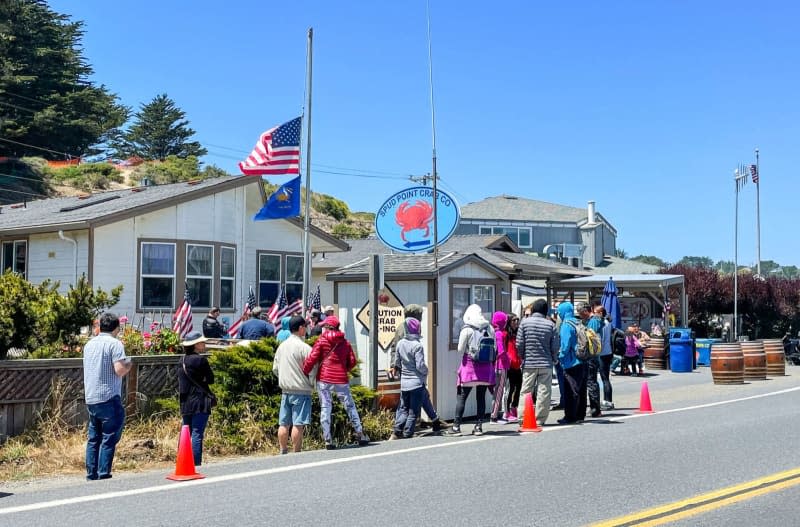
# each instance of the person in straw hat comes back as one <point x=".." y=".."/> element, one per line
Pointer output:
<point x="196" y="398"/>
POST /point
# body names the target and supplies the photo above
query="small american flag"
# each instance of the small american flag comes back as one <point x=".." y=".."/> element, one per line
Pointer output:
<point x="278" y="306"/>
<point x="754" y="173"/>
<point x="248" y="306"/>
<point x="292" y="309"/>
<point x="277" y="151"/>
<point x="315" y="302"/>
<point x="182" y="321"/>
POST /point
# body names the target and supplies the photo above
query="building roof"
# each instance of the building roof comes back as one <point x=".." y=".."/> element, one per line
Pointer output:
<point x="81" y="212"/>
<point x="362" y="248"/>
<point x="612" y="265"/>
<point x="514" y="208"/>
<point x="496" y="251"/>
<point x="641" y="282"/>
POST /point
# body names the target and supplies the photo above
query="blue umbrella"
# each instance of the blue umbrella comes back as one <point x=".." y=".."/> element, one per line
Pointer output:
<point x="611" y="303"/>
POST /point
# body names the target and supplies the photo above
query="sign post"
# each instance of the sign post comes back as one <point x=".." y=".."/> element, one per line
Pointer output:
<point x="375" y="285"/>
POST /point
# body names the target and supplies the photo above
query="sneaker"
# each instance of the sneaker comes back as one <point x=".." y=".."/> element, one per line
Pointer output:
<point x="395" y="436"/>
<point x="363" y="440"/>
<point x="607" y="405"/>
<point x="455" y="431"/>
<point x="477" y="430"/>
<point x="566" y="422"/>
<point x="437" y="426"/>
<point x="511" y="418"/>
<point x="284" y="451"/>
<point x="597" y="413"/>
<point x="557" y="407"/>
<point x="330" y="446"/>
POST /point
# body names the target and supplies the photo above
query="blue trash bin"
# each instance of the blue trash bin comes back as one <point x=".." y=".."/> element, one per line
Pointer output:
<point x="680" y="354"/>
<point x="704" y="351"/>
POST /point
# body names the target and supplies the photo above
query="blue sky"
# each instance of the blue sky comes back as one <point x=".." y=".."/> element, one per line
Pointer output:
<point x="644" y="107"/>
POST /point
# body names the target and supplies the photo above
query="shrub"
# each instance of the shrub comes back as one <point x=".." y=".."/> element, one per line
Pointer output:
<point x="331" y="206"/>
<point x="87" y="176"/>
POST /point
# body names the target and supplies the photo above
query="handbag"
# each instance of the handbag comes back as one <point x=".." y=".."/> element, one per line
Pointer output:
<point x="211" y="399"/>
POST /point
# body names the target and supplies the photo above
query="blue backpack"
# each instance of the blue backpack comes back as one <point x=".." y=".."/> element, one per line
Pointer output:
<point x="482" y="346"/>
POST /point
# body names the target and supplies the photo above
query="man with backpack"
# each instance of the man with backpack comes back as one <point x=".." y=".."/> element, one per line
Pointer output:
<point x="593" y="323"/>
<point x="574" y="368"/>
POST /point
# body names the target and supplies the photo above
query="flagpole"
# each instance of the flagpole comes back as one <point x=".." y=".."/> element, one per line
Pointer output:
<point x="433" y="133"/>
<point x="758" y="218"/>
<point x="307" y="219"/>
<point x="736" y="260"/>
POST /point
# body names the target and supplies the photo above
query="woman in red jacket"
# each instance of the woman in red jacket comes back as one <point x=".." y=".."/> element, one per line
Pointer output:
<point x="336" y="359"/>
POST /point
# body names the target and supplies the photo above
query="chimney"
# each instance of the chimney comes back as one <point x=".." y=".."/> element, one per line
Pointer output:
<point x="592" y="219"/>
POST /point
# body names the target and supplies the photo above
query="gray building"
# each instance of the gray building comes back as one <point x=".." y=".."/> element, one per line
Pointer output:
<point x="581" y="237"/>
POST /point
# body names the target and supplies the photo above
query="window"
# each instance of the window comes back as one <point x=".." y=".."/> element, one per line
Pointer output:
<point x="519" y="235"/>
<point x="200" y="273"/>
<point x="269" y="278"/>
<point x="227" y="276"/>
<point x="463" y="295"/>
<point x="14" y="256"/>
<point x="157" y="275"/>
<point x="294" y="278"/>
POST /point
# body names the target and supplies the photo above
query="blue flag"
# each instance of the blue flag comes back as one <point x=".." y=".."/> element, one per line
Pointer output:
<point x="283" y="203"/>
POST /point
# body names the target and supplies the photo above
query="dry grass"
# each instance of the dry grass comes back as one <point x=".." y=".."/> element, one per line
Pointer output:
<point x="56" y="447"/>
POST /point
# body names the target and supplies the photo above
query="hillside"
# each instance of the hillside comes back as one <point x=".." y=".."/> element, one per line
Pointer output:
<point x="31" y="178"/>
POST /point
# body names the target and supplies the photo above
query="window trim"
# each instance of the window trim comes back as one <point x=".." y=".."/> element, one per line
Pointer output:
<point x="211" y="277"/>
<point x="491" y="228"/>
<point x="470" y="282"/>
<point x="141" y="276"/>
<point x="232" y="278"/>
<point x="180" y="271"/>
<point x="14" y="242"/>
<point x="283" y="270"/>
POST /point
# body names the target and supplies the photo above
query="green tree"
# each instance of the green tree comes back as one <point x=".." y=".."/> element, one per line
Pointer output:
<point x="46" y="97"/>
<point x="696" y="261"/>
<point x="652" y="260"/>
<point x="767" y="267"/>
<point x="620" y="253"/>
<point x="724" y="266"/>
<point x="160" y="130"/>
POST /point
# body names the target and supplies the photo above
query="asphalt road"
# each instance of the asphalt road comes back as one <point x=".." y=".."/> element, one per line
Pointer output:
<point x="702" y="438"/>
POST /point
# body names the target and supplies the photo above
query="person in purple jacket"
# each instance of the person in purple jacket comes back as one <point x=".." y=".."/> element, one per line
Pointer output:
<point x="499" y="320"/>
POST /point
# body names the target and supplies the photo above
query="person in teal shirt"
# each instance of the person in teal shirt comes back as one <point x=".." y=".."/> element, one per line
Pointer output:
<point x="574" y="369"/>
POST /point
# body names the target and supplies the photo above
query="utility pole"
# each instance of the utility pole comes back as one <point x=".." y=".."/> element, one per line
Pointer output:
<point x="423" y="179"/>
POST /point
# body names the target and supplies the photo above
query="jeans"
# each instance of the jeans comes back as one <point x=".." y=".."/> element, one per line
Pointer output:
<point x="593" y="388"/>
<point x="605" y="375"/>
<point x="408" y="410"/>
<point x="427" y="405"/>
<point x="342" y="391"/>
<point x="480" y="396"/>
<point x="106" y="421"/>
<point x="561" y="383"/>
<point x="575" y="393"/>
<point x="197" y="424"/>
<point x="514" y="387"/>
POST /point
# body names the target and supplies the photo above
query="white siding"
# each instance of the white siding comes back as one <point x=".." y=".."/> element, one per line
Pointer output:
<point x="50" y="257"/>
<point x="353" y="296"/>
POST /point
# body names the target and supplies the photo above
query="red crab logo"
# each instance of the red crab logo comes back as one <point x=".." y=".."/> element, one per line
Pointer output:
<point x="411" y="217"/>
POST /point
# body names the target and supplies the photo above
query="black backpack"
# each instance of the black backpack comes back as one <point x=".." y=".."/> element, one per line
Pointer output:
<point x="618" y="342"/>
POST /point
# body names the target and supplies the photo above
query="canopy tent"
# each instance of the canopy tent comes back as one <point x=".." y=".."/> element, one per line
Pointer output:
<point x="644" y="283"/>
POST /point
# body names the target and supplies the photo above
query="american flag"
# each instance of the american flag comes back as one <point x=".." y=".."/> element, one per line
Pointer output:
<point x="292" y="309"/>
<point x="279" y="305"/>
<point x="182" y="321"/>
<point x="315" y="302"/>
<point x="248" y="306"/>
<point x="754" y="173"/>
<point x="276" y="152"/>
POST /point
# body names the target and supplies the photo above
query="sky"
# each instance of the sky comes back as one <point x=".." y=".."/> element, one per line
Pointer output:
<point x="644" y="107"/>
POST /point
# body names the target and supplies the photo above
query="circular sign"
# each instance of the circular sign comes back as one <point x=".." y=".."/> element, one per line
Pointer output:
<point x="405" y="220"/>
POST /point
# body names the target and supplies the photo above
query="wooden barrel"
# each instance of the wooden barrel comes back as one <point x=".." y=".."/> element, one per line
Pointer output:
<point x="654" y="354"/>
<point x="755" y="361"/>
<point x="776" y="358"/>
<point x="727" y="363"/>
<point x="388" y="393"/>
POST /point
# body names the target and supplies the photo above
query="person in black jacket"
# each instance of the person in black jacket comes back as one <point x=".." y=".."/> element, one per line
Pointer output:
<point x="196" y="398"/>
<point x="213" y="328"/>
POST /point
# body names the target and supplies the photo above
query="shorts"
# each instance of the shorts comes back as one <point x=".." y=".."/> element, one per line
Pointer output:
<point x="295" y="410"/>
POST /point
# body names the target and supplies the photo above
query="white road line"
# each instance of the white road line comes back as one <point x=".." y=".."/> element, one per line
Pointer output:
<point x="327" y="462"/>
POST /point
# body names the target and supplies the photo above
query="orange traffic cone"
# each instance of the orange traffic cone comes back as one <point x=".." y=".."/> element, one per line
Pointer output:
<point x="529" y="423"/>
<point x="644" y="401"/>
<point x="184" y="464"/>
